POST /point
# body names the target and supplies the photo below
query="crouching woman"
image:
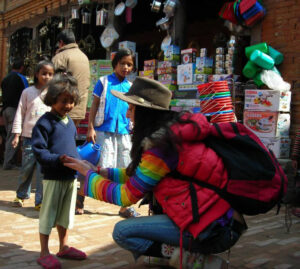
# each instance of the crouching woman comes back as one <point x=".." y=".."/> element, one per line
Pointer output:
<point x="192" y="217"/>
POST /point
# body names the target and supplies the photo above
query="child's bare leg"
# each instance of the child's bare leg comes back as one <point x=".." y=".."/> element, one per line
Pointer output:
<point x="63" y="238"/>
<point x="44" y="239"/>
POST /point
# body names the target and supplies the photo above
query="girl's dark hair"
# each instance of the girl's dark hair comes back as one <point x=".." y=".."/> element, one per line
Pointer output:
<point x="120" y="54"/>
<point x="61" y="83"/>
<point x="146" y="122"/>
<point x="39" y="66"/>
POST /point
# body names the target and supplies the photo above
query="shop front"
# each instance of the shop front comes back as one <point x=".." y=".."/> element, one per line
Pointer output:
<point x="183" y="44"/>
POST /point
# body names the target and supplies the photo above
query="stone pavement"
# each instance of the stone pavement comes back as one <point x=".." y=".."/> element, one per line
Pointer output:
<point x="266" y="244"/>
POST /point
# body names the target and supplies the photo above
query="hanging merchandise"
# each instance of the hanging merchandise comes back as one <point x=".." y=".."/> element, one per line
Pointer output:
<point x="166" y="42"/>
<point x="163" y="23"/>
<point x="131" y="3"/>
<point x="101" y="16"/>
<point x="75" y="13"/>
<point x="169" y="7"/>
<point x="244" y="12"/>
<point x="108" y="36"/>
<point x="86" y="16"/>
<point x="274" y="81"/>
<point x="155" y="6"/>
<point x="119" y="9"/>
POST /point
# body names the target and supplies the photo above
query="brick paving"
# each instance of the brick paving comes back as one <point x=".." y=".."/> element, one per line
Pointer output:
<point x="266" y="244"/>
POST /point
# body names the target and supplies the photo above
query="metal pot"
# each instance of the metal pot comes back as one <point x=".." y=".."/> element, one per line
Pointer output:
<point x="86" y="16"/>
<point x="101" y="17"/>
<point x="75" y="13"/>
<point x="163" y="23"/>
<point x="169" y="7"/>
<point x="131" y="3"/>
<point x="155" y="6"/>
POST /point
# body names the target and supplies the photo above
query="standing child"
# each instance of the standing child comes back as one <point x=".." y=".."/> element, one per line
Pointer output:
<point x="54" y="136"/>
<point x="112" y="132"/>
<point x="31" y="107"/>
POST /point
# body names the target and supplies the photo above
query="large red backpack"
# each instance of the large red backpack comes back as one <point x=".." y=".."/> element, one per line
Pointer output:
<point x="256" y="181"/>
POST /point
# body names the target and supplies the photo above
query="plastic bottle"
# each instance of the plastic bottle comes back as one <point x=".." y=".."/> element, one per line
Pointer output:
<point x="90" y="152"/>
<point x="263" y="47"/>
<point x="276" y="55"/>
<point x="261" y="59"/>
<point x="250" y="69"/>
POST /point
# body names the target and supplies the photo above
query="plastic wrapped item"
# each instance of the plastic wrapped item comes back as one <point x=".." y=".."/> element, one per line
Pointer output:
<point x="274" y="81"/>
<point x="276" y="55"/>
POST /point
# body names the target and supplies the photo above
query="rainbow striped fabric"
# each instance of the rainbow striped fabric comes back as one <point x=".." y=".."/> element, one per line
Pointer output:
<point x="122" y="190"/>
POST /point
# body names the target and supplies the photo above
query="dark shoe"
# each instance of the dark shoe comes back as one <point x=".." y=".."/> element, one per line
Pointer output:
<point x="129" y="213"/>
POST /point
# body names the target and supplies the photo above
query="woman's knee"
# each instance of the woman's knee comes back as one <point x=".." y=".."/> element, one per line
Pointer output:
<point x="118" y="232"/>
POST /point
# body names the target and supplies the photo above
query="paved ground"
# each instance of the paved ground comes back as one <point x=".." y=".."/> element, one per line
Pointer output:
<point x="267" y="244"/>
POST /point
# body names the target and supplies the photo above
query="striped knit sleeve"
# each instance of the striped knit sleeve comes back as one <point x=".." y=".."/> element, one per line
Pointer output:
<point x="296" y="148"/>
<point x="124" y="191"/>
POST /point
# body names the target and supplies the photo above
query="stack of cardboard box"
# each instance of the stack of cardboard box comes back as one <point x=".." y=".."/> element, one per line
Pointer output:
<point x="267" y="115"/>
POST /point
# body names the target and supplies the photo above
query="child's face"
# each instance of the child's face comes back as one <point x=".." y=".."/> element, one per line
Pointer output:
<point x="64" y="104"/>
<point x="130" y="112"/>
<point x="124" y="67"/>
<point x="44" y="75"/>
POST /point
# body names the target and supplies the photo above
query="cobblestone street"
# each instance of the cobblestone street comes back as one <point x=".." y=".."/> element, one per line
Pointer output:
<point x="266" y="244"/>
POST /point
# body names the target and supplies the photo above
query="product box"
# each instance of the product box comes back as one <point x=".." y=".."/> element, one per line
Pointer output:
<point x="188" y="56"/>
<point x="262" y="123"/>
<point x="283" y="124"/>
<point x="204" y="65"/>
<point x="280" y="146"/>
<point x="172" y="49"/>
<point x="200" y="78"/>
<point x="127" y="45"/>
<point x="186" y="108"/>
<point x="185" y="102"/>
<point x="167" y="77"/>
<point x="152" y="62"/>
<point x="166" y="70"/>
<point x="185" y="73"/>
<point x="270" y="100"/>
<point x="165" y="64"/>
<point x="188" y="87"/>
<point x="147" y="74"/>
<point x="191" y="94"/>
<point x="171" y="87"/>
<point x="212" y="78"/>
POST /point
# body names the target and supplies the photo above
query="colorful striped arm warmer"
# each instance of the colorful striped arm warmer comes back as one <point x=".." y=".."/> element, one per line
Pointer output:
<point x="125" y="191"/>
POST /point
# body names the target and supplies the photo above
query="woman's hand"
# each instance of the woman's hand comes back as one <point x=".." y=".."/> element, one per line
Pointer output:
<point x="81" y="166"/>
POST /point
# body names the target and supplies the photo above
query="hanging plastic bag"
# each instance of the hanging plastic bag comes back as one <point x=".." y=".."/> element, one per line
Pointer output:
<point x="274" y="81"/>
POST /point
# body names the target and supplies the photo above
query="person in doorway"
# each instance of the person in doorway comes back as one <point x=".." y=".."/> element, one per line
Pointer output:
<point x="70" y="58"/>
<point x="12" y="86"/>
<point x="163" y="142"/>
<point x="54" y="136"/>
<point x="31" y="107"/>
<point x="110" y="127"/>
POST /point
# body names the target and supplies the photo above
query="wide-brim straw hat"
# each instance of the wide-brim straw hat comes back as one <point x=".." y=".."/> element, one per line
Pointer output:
<point x="148" y="93"/>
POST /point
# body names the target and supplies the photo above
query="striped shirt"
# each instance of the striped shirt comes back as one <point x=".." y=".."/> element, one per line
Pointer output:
<point x="122" y="190"/>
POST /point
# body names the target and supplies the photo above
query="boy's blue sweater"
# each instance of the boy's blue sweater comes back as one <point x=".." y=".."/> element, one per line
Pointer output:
<point x="51" y="138"/>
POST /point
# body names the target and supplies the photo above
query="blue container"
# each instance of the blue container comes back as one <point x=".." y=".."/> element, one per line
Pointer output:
<point x="90" y="152"/>
<point x="261" y="59"/>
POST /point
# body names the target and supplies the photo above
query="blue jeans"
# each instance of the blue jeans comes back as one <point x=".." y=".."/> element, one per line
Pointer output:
<point x="138" y="234"/>
<point x="29" y="163"/>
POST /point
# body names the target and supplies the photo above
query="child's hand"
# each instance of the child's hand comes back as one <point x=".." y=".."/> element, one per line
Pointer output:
<point x="15" y="141"/>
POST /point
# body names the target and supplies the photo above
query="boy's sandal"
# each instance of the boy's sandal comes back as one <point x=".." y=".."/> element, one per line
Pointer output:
<point x="72" y="254"/>
<point x="38" y="207"/>
<point x="128" y="213"/>
<point x="49" y="262"/>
